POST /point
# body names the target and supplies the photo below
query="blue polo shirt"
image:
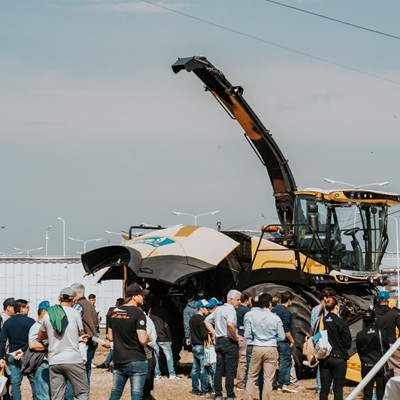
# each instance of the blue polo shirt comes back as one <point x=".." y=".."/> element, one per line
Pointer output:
<point x="286" y="316"/>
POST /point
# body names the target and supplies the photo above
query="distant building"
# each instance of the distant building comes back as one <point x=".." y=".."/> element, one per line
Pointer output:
<point x="41" y="278"/>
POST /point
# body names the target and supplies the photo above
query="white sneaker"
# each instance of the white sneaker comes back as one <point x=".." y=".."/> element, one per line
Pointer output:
<point x="174" y="377"/>
<point x="158" y="377"/>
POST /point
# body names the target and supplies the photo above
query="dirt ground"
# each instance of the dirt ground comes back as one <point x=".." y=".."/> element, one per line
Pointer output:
<point x="165" y="389"/>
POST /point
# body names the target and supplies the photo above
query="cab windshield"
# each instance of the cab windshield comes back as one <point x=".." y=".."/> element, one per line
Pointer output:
<point x="348" y="238"/>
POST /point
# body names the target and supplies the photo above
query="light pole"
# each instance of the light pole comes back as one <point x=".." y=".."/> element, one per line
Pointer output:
<point x="84" y="241"/>
<point x="63" y="221"/>
<point x="113" y="233"/>
<point x="195" y="216"/>
<point x="47" y="239"/>
<point x="356" y="186"/>
<point x="28" y="252"/>
<point x="397" y="258"/>
<point x="10" y="254"/>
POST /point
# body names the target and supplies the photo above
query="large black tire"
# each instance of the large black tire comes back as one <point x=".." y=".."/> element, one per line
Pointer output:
<point x="301" y="316"/>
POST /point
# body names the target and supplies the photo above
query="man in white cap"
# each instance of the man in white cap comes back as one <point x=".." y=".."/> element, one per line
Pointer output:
<point x="62" y="327"/>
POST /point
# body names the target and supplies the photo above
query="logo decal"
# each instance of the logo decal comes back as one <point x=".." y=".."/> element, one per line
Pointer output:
<point x="141" y="322"/>
<point x="155" y="241"/>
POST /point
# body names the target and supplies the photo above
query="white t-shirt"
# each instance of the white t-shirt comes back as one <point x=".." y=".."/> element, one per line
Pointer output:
<point x="33" y="334"/>
<point x="151" y="330"/>
<point x="64" y="349"/>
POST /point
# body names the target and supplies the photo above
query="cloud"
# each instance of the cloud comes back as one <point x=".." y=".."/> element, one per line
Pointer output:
<point x="137" y="7"/>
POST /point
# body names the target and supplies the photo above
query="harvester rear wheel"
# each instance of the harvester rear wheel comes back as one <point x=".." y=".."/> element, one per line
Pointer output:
<point x="301" y="313"/>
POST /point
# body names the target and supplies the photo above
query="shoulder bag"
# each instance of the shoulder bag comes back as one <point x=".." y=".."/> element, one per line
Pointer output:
<point x="210" y="356"/>
<point x="3" y="381"/>
<point x="322" y="346"/>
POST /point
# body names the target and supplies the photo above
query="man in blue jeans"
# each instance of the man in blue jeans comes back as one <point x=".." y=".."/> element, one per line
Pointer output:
<point x="16" y="331"/>
<point x="222" y="324"/>
<point x="286" y="345"/>
<point x="128" y="332"/>
<point x="198" y="334"/>
<point x="159" y="315"/>
<point x="42" y="373"/>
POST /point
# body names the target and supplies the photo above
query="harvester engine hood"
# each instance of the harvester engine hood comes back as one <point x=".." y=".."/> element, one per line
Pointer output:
<point x="167" y="255"/>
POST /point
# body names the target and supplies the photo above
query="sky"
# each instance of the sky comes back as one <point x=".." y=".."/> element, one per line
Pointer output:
<point x="96" y="129"/>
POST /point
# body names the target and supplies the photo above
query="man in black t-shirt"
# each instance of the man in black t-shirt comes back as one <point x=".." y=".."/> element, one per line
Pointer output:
<point x="128" y="333"/>
<point x="199" y="333"/>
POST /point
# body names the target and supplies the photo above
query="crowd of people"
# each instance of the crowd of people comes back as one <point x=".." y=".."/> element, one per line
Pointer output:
<point x="378" y="333"/>
<point x="248" y="340"/>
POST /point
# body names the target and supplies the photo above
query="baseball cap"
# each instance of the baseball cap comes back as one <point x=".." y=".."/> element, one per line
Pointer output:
<point x="135" y="289"/>
<point x="383" y="295"/>
<point x="9" y="302"/>
<point x="203" y="303"/>
<point x="67" y="293"/>
<point x="44" y="305"/>
<point x="214" y="302"/>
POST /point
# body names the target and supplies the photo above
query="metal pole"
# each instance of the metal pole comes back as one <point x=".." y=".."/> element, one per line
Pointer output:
<point x="374" y="370"/>
<point x="195" y="216"/>
<point x="47" y="239"/>
<point x="63" y="234"/>
<point x="398" y="259"/>
<point x="398" y="262"/>
<point x="87" y="241"/>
